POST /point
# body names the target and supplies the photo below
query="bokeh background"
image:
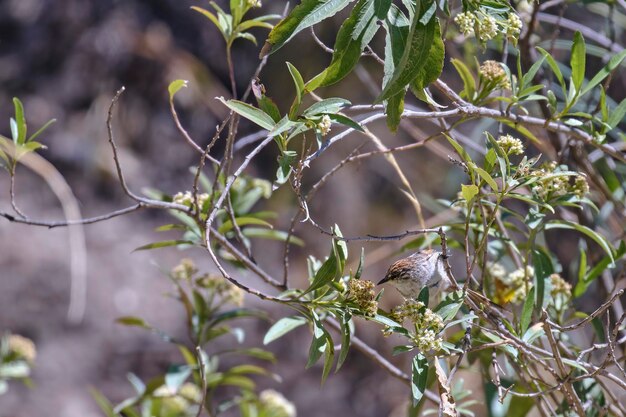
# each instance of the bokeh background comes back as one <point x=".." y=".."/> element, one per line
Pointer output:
<point x="65" y="59"/>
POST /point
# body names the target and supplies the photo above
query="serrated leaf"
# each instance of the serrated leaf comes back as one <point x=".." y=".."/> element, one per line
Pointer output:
<point x="282" y="327"/>
<point x="419" y="42"/>
<point x="306" y="14"/>
<point x="354" y="34"/>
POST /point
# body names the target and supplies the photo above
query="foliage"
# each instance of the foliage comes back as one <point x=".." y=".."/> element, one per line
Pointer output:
<point x="546" y="165"/>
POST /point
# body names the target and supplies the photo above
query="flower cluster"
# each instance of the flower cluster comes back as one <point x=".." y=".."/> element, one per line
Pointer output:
<point x="276" y="404"/>
<point x="187" y="199"/>
<point x="551" y="184"/>
<point x="427" y="324"/>
<point x="175" y="402"/>
<point x="254" y="3"/>
<point x="492" y="76"/>
<point x="514" y="26"/>
<point x="511" y="145"/>
<point x="228" y="292"/>
<point x="361" y="292"/>
<point x="244" y="184"/>
<point x="486" y="26"/>
<point x="561" y="291"/>
<point x="22" y="347"/>
<point x="510" y="287"/>
<point x="324" y="125"/>
<point x="185" y="270"/>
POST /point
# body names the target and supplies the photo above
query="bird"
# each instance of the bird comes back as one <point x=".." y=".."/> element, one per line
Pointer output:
<point x="421" y="269"/>
<point x="426" y="268"/>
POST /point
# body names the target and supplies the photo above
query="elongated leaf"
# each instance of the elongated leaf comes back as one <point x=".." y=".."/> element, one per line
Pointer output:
<point x="250" y="112"/>
<point x="306" y="14"/>
<point x="527" y="311"/>
<point x="617" y="115"/>
<point x="20" y="121"/>
<point x="346" y="121"/>
<point x="554" y="66"/>
<point x="433" y="66"/>
<point x="299" y="83"/>
<point x="487" y="178"/>
<point x="469" y="82"/>
<point x="328" y="105"/>
<point x="577" y="61"/>
<point x="613" y="63"/>
<point x="282" y="327"/>
<point x="593" y="235"/>
<point x="212" y="18"/>
<point x="584" y="282"/>
<point x="272" y="235"/>
<point x="541" y="280"/>
<point x="420" y="40"/>
<point x="164" y="244"/>
<point x="346" y="333"/>
<point x="419" y="377"/>
<point x="243" y="221"/>
<point x="133" y="321"/>
<point x="355" y="33"/>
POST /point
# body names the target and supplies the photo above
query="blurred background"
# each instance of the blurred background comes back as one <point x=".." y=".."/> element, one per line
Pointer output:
<point x="65" y="59"/>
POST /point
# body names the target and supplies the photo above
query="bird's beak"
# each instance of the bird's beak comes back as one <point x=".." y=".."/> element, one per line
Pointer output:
<point x="382" y="281"/>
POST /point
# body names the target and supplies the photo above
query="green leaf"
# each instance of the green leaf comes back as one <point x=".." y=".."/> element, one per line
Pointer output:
<point x="577" y="61"/>
<point x="419" y="43"/>
<point x="359" y="269"/>
<point x="554" y="66"/>
<point x="282" y="327"/>
<point x="469" y="192"/>
<point x="596" y="271"/>
<point x="433" y="66"/>
<point x="329" y="356"/>
<point x="617" y="115"/>
<point x="279" y="235"/>
<point x="175" y="86"/>
<point x="355" y="33"/>
<point x="346" y="121"/>
<point x="326" y="106"/>
<point x="133" y="321"/>
<point x="306" y="14"/>
<point x="105" y="405"/>
<point x="20" y="122"/>
<point x="41" y="130"/>
<point x="212" y="18"/>
<point x="325" y="274"/>
<point x="487" y="178"/>
<point x="250" y="112"/>
<point x="527" y="311"/>
<point x="164" y="244"/>
<point x="541" y="280"/>
<point x="319" y="342"/>
<point x="592" y="234"/>
<point x="299" y="83"/>
<point x="459" y="150"/>
<point x="469" y="82"/>
<point x="346" y="333"/>
<point x="419" y="377"/>
<point x="394" y="109"/>
<point x="613" y="63"/>
<point x="242" y="221"/>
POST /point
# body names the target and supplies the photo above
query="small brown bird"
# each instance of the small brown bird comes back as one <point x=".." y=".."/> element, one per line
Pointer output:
<point x="426" y="269"/>
<point x="422" y="269"/>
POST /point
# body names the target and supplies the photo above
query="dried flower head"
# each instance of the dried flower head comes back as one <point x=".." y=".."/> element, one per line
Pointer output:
<point x="362" y="293"/>
<point x="185" y="270"/>
<point x="492" y="75"/>
<point x="511" y="145"/>
<point x="22" y="347"/>
<point x="276" y="404"/>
